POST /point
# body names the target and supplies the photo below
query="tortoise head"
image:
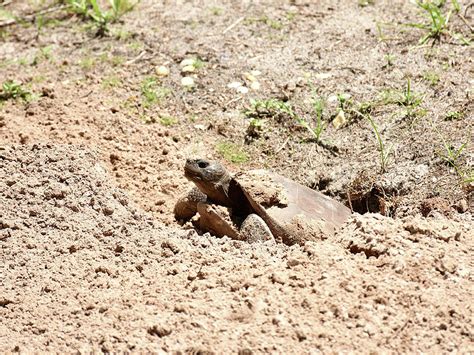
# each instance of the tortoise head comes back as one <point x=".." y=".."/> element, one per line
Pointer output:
<point x="210" y="177"/>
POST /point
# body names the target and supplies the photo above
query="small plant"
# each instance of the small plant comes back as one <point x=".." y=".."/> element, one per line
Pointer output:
<point x="43" y="54"/>
<point x="318" y="107"/>
<point x="406" y="98"/>
<point x="152" y="93"/>
<point x="451" y="154"/>
<point x="216" y="11"/>
<point x="255" y="128"/>
<point x="90" y="10"/>
<point x="384" y="153"/>
<point x="232" y="152"/>
<point x="87" y="63"/>
<point x="270" y="108"/>
<point x="410" y="98"/>
<point x="454" y="115"/>
<point x="290" y="15"/>
<point x="14" y="90"/>
<point x="274" y="24"/>
<point x="389" y="60"/>
<point x="168" y="120"/>
<point x="438" y="21"/>
<point x="431" y="77"/>
<point x="111" y="82"/>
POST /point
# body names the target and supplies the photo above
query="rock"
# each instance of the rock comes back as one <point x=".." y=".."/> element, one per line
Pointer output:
<point x="242" y="90"/>
<point x="187" y="81"/>
<point x="234" y="85"/>
<point x="186" y="62"/>
<point x="462" y="206"/>
<point x="162" y="71"/>
<point x="188" y="69"/>
<point x="255" y="86"/>
<point x="340" y="120"/>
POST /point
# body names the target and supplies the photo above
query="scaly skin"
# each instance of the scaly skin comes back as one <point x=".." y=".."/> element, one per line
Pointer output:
<point x="213" y="181"/>
<point x="211" y="178"/>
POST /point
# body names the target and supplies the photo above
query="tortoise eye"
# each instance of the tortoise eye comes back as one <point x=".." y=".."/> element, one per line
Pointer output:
<point x="203" y="164"/>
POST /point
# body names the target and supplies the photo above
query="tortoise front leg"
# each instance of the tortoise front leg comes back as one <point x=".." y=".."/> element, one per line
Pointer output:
<point x="186" y="206"/>
<point x="216" y="220"/>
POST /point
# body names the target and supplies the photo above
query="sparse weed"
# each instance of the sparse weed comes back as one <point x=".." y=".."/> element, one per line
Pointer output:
<point x="431" y="77"/>
<point x="454" y="115"/>
<point x="438" y="21"/>
<point x="152" y="93"/>
<point x="122" y="34"/>
<point x="216" y="11"/>
<point x="469" y="177"/>
<point x="407" y="98"/>
<point x="269" y="108"/>
<point x="384" y="153"/>
<point x="43" y="54"/>
<point x="168" y="120"/>
<point x="117" y="60"/>
<point x="451" y="154"/>
<point x="23" y="61"/>
<point x="389" y="60"/>
<point x="14" y="90"/>
<point x="111" y="82"/>
<point x="255" y="128"/>
<point x="318" y="129"/>
<point x="87" y="63"/>
<point x="90" y="10"/>
<point x="274" y="24"/>
<point x="379" y="27"/>
<point x="344" y="100"/>
<point x="291" y="15"/>
<point x="136" y="46"/>
<point x="232" y="152"/>
<point x="38" y="79"/>
<point x="365" y="107"/>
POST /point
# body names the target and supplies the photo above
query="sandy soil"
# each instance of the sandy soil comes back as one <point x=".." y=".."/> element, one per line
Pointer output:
<point x="92" y="258"/>
<point x="85" y="269"/>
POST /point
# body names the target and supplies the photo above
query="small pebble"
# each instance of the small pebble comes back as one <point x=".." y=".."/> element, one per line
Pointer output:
<point x="188" y="69"/>
<point x="462" y="206"/>
<point x="255" y="86"/>
<point x="162" y="71"/>
<point x="187" y="81"/>
<point x="187" y="62"/>
<point x="234" y="85"/>
<point x="250" y="77"/>
<point x="322" y="76"/>
<point x="340" y="120"/>
<point x="242" y="90"/>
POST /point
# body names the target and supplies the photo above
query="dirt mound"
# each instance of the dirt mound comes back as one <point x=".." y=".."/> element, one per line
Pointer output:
<point x="84" y="269"/>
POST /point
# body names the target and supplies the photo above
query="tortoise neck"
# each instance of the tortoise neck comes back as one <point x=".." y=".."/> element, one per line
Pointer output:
<point x="217" y="191"/>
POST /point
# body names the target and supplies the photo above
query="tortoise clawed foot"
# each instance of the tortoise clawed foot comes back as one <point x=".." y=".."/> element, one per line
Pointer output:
<point x="186" y="206"/>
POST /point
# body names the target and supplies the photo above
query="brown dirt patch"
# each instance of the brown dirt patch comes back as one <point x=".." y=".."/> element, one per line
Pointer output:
<point x="92" y="257"/>
<point x="85" y="269"/>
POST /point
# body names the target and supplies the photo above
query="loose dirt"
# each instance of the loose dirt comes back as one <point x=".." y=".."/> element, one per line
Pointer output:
<point x="91" y="166"/>
<point x="83" y="268"/>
